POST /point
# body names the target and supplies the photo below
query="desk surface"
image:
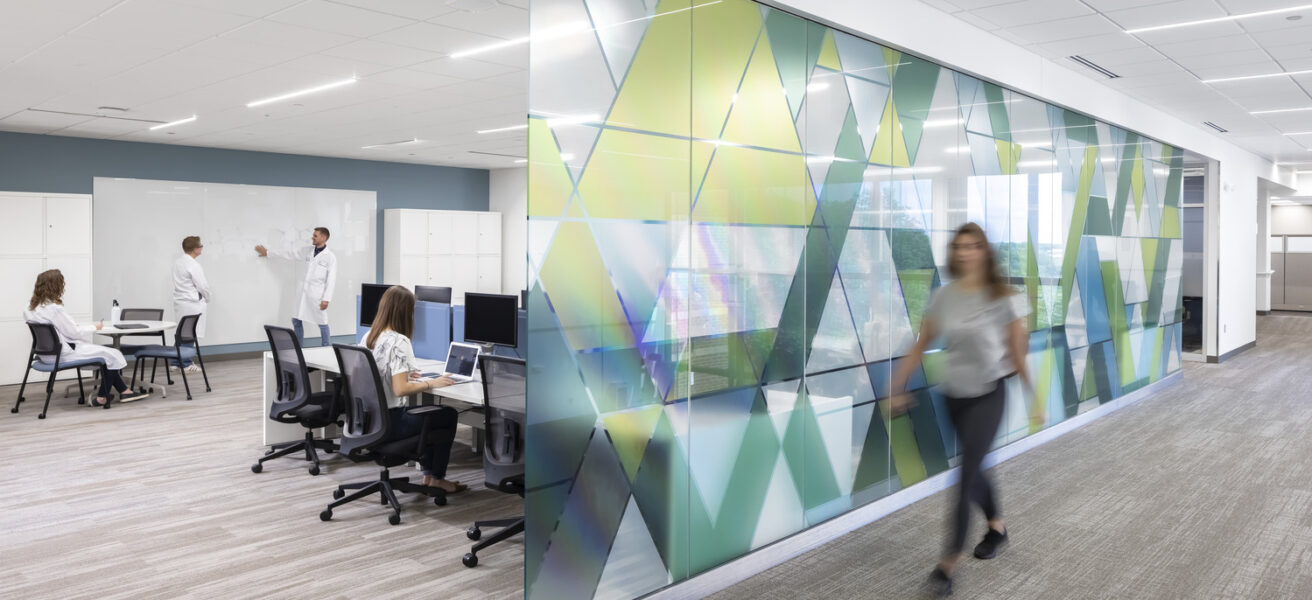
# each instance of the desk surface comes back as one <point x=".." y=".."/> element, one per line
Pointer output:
<point x="322" y="358"/>
<point x="150" y="327"/>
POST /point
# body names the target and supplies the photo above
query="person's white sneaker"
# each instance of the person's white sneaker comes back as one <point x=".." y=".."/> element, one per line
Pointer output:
<point x="193" y="368"/>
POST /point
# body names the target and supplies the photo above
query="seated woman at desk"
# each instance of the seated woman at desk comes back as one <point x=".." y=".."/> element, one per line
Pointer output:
<point x="389" y="339"/>
<point x="47" y="306"/>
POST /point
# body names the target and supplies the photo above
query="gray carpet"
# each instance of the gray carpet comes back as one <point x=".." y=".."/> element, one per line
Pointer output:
<point x="156" y="499"/>
<point x="1204" y="491"/>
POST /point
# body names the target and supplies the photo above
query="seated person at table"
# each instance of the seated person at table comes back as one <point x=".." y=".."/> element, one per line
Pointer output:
<point x="389" y="339"/>
<point x="47" y="306"/>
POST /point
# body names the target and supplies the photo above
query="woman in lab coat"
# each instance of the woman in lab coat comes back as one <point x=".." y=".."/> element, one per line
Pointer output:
<point x="47" y="306"/>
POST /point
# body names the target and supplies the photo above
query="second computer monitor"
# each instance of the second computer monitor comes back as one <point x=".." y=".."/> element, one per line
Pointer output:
<point x="430" y="293"/>
<point x="370" y="294"/>
<point x="492" y="319"/>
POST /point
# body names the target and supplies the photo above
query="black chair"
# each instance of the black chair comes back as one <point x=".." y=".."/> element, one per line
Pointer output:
<point x="430" y="293"/>
<point x="45" y="343"/>
<point x="365" y="432"/>
<point x="504" y="385"/>
<point x="130" y="350"/>
<point x="184" y="347"/>
<point x="295" y="403"/>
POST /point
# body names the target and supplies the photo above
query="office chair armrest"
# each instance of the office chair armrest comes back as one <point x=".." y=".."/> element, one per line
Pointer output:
<point x="424" y="410"/>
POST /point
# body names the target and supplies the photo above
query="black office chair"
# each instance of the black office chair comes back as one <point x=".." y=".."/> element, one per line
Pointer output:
<point x="45" y="343"/>
<point x="184" y="347"/>
<point x="130" y="350"/>
<point x="295" y="403"/>
<point x="366" y="429"/>
<point x="430" y="293"/>
<point x="504" y="385"/>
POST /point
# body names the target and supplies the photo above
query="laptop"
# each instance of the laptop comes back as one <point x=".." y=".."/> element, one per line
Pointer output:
<point x="461" y="360"/>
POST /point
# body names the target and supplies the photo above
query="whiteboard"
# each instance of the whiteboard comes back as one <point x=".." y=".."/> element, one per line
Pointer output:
<point x="140" y="223"/>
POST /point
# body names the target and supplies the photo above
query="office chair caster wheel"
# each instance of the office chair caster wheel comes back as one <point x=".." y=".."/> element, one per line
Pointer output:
<point x="326" y="515"/>
<point x="394" y="519"/>
<point x="81" y="400"/>
<point x="314" y="470"/>
<point x="470" y="560"/>
<point x="474" y="533"/>
<point x="439" y="500"/>
<point x="41" y="416"/>
<point x="14" y="410"/>
<point x="337" y="494"/>
<point x="257" y="467"/>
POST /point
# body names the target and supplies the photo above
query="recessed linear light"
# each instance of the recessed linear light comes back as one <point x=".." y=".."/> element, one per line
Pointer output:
<point x="550" y="33"/>
<point x="1220" y="19"/>
<point x="1301" y="133"/>
<point x="501" y="129"/>
<point x="321" y="88"/>
<point x="520" y="161"/>
<point x="388" y="144"/>
<point x="172" y="123"/>
<point x="1279" y="110"/>
<point x="1262" y="76"/>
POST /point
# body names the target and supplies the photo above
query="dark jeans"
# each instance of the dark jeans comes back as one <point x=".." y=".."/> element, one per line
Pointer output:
<point x="976" y="421"/>
<point x="441" y="434"/>
<point x="110" y="379"/>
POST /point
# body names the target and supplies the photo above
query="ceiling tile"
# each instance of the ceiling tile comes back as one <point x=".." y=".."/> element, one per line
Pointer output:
<point x="1066" y="29"/>
<point x="1244" y="62"/>
<point x="1144" y="69"/>
<point x="1290" y="51"/>
<point x="1141" y="54"/>
<point x="77" y="59"/>
<point x="973" y="19"/>
<point x="40" y="122"/>
<point x="250" y="8"/>
<point x="160" y="23"/>
<point x="413" y="78"/>
<point x="1097" y="43"/>
<point x="1166" y="13"/>
<point x="1185" y="34"/>
<point x="381" y="53"/>
<point x="505" y="22"/>
<point x="464" y="68"/>
<point x="1111" y="5"/>
<point x="1279" y="37"/>
<point x="105" y="128"/>
<point x="281" y="34"/>
<point x="1277" y="22"/>
<point x="977" y="4"/>
<point x="339" y="18"/>
<point x="410" y="9"/>
<point x="1028" y="12"/>
<point x="436" y="38"/>
<point x="943" y="5"/>
<point x="263" y="54"/>
<point x="1229" y="43"/>
<point x="1256" y="87"/>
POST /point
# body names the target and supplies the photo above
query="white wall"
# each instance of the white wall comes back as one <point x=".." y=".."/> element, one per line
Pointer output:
<point x="508" y="195"/>
<point x="1291" y="220"/>
<point x="938" y="36"/>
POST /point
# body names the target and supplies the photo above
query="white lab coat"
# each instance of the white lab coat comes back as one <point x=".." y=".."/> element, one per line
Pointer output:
<point x="191" y="292"/>
<point x="69" y="332"/>
<point x="318" y="282"/>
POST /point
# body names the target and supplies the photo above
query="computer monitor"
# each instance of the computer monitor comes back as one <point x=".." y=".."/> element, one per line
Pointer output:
<point x="523" y="298"/>
<point x="492" y="319"/>
<point x="370" y="294"/>
<point x="431" y="293"/>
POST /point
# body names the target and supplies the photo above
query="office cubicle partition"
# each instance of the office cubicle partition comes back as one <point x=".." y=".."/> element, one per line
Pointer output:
<point x="1291" y="284"/>
<point x="736" y="219"/>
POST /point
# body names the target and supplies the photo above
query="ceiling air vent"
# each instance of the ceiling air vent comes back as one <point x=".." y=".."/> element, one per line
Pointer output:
<point x="1092" y="65"/>
<point x="1216" y="127"/>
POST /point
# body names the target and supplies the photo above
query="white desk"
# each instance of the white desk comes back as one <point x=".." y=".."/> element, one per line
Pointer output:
<point x="323" y="359"/>
<point x="151" y="327"/>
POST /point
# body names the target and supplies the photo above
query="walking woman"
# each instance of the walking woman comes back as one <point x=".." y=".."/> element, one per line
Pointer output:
<point x="985" y="340"/>
<point x="389" y="339"/>
<point x="47" y="306"/>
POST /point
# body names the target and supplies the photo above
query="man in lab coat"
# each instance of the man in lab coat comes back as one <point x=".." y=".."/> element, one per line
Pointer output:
<point x="191" y="292"/>
<point x="317" y="289"/>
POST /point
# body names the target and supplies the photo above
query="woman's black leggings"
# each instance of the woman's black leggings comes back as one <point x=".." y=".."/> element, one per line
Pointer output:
<point x="976" y="421"/>
<point x="110" y="379"/>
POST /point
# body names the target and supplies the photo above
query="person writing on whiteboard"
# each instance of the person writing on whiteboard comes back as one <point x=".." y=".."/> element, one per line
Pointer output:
<point x="190" y="290"/>
<point x="47" y="306"/>
<point x="317" y="289"/>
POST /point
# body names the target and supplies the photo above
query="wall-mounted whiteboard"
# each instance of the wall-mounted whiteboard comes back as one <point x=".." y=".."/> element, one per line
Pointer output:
<point x="140" y="223"/>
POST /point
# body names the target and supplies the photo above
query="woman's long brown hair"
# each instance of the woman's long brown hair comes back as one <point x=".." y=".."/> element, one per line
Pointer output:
<point x="49" y="288"/>
<point x="396" y="311"/>
<point x="998" y="287"/>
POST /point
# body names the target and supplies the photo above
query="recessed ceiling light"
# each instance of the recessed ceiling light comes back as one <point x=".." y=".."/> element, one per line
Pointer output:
<point x="521" y="161"/>
<point x="1262" y="13"/>
<point x="1262" y="76"/>
<point x="548" y="34"/>
<point x="1279" y="110"/>
<point x="1300" y="133"/>
<point x="500" y="129"/>
<point x="297" y="94"/>
<point x="172" y="123"/>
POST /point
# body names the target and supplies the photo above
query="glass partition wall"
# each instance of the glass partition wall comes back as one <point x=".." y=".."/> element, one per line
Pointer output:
<point x="736" y="218"/>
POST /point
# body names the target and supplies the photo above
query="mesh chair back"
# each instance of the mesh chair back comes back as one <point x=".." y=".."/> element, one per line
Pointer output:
<point x="504" y="386"/>
<point x="45" y="342"/>
<point x="366" y="403"/>
<point x="142" y="314"/>
<point x="293" y="379"/>
<point x="186" y="332"/>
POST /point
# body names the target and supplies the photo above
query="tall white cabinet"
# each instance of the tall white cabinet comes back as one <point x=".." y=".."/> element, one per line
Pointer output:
<point x="42" y="231"/>
<point x="451" y="248"/>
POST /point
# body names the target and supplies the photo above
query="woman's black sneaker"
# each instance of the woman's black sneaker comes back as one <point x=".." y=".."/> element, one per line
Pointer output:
<point x="992" y="542"/>
<point x="940" y="582"/>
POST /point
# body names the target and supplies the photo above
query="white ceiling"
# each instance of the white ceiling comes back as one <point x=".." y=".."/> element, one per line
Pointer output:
<point x="169" y="59"/>
<point x="1165" y="68"/>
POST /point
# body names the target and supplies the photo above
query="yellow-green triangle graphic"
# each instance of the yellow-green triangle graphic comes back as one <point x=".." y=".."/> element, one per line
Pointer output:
<point x="548" y="180"/>
<point x="1008" y="156"/>
<point x="630" y="431"/>
<point x="1136" y="182"/>
<point x="829" y="53"/>
<point x="656" y="91"/>
<point x="722" y="43"/>
<point x="890" y="147"/>
<point x="761" y="116"/>
<point x="892" y="58"/>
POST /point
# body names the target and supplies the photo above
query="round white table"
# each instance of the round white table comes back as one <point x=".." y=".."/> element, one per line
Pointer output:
<point x="150" y="327"/>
